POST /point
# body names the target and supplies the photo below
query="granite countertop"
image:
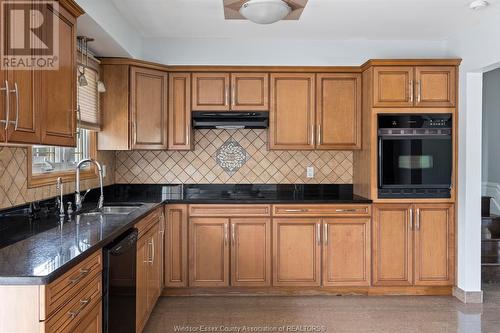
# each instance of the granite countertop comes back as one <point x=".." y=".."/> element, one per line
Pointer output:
<point x="37" y="251"/>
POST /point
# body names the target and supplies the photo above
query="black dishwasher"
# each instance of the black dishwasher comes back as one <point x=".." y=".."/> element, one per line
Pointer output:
<point x="119" y="284"/>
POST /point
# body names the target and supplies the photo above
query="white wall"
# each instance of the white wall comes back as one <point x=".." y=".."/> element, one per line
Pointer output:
<point x="479" y="47"/>
<point x="306" y="52"/>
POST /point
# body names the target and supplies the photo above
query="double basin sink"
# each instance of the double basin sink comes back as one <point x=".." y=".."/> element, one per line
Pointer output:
<point x="116" y="209"/>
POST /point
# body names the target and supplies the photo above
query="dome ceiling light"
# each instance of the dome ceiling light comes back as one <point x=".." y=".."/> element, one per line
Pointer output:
<point x="263" y="11"/>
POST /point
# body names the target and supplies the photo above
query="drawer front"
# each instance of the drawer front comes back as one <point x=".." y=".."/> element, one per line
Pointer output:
<point x="62" y="290"/>
<point x="146" y="223"/>
<point x="77" y="309"/>
<point x="229" y="210"/>
<point x="322" y="210"/>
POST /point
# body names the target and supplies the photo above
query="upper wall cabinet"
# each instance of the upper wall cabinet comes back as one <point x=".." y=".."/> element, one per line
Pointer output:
<point x="134" y="108"/>
<point x="338" y="111"/>
<point x="292" y="114"/>
<point x="39" y="106"/>
<point x="179" y="111"/>
<point x="230" y="92"/>
<point x="408" y="86"/>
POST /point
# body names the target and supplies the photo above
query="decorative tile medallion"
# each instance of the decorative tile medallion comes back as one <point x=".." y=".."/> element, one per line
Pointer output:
<point x="231" y="156"/>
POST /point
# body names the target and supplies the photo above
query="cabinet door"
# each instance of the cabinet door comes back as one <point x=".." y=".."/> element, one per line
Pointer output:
<point x="434" y="244"/>
<point x="392" y="245"/>
<point x="142" y="282"/>
<point x="393" y="86"/>
<point x="296" y="252"/>
<point x="92" y="323"/>
<point x="251" y="252"/>
<point x="210" y="92"/>
<point x="435" y="86"/>
<point x="148" y="108"/>
<point x="209" y="252"/>
<point x="338" y="115"/>
<point x="176" y="248"/>
<point x="154" y="266"/>
<point x="179" y="112"/>
<point x="346" y="254"/>
<point x="250" y="92"/>
<point x="59" y="89"/>
<point x="292" y="111"/>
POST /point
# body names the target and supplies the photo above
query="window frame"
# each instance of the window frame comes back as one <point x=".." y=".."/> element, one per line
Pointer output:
<point x="39" y="180"/>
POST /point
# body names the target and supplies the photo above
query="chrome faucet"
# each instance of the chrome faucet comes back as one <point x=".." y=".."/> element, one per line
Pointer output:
<point x="60" y="202"/>
<point x="78" y="197"/>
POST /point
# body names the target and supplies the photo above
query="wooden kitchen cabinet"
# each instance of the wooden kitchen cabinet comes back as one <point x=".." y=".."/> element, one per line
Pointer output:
<point x="3" y="103"/>
<point x="434" y="244"/>
<point x="250" y="252"/>
<point x="338" y="113"/>
<point x="435" y="86"/>
<point x="346" y="253"/>
<point x="176" y="246"/>
<point x="296" y="252"/>
<point x="134" y="107"/>
<point x="292" y="111"/>
<point x="179" y="112"/>
<point x="92" y="323"/>
<point x="393" y="86"/>
<point x="148" y="108"/>
<point x="210" y="92"/>
<point x="392" y="245"/>
<point x="209" y="252"/>
<point x="142" y="283"/>
<point x="249" y="92"/>
<point x="155" y="266"/>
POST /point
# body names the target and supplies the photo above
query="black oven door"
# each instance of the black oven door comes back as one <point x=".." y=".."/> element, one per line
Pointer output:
<point x="410" y="162"/>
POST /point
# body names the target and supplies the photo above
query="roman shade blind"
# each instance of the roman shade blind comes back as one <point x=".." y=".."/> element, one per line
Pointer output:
<point x="88" y="101"/>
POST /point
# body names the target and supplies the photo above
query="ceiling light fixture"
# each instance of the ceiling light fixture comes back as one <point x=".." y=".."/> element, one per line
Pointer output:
<point x="265" y="11"/>
<point x="478" y="4"/>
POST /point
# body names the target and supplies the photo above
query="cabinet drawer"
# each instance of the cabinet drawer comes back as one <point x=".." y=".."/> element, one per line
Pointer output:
<point x="229" y="210"/>
<point x="67" y="286"/>
<point x="322" y="210"/>
<point x="77" y="309"/>
<point x="147" y="222"/>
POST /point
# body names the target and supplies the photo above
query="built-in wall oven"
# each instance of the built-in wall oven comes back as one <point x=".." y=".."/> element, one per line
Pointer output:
<point x="415" y="155"/>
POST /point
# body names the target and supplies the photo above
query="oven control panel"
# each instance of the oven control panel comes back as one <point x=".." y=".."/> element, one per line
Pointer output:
<point x="392" y="121"/>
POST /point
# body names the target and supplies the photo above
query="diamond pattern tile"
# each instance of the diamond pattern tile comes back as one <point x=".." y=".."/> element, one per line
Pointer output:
<point x="262" y="166"/>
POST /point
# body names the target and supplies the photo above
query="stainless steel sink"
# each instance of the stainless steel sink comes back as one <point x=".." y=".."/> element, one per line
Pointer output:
<point x="113" y="210"/>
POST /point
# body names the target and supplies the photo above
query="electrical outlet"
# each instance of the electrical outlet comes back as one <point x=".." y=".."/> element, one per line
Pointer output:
<point x="310" y="172"/>
<point x="104" y="169"/>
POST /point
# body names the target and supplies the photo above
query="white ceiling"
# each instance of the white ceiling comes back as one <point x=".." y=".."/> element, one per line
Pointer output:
<point x="321" y="19"/>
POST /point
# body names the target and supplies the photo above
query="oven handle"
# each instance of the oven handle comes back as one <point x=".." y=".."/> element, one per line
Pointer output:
<point x="380" y="162"/>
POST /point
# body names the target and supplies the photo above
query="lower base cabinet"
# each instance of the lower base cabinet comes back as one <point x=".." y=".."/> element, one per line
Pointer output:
<point x="92" y="322"/>
<point x="413" y="245"/>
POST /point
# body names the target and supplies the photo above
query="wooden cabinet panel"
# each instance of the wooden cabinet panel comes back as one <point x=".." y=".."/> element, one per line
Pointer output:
<point x="92" y="323"/>
<point x="392" y="245"/>
<point x="179" y="112"/>
<point x="176" y="248"/>
<point x="346" y="254"/>
<point x="249" y="91"/>
<point x="393" y="86"/>
<point x="229" y="210"/>
<point x="321" y="210"/>
<point x="210" y="92"/>
<point x="296" y="252"/>
<point x="338" y="115"/>
<point x="209" y="252"/>
<point x="292" y="112"/>
<point x="148" y="108"/>
<point x="154" y="267"/>
<point x="251" y="252"/>
<point x="142" y="283"/>
<point x="434" y="244"/>
<point x="435" y="86"/>
<point x="59" y="89"/>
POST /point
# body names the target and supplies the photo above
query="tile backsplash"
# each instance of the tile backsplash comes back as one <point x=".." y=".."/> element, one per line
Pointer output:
<point x="259" y="166"/>
<point x="13" y="178"/>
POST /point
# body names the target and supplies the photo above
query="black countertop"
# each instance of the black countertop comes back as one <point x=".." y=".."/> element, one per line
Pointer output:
<point x="37" y="250"/>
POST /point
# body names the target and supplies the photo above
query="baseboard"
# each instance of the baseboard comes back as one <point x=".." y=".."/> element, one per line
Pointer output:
<point x="492" y="190"/>
<point x="468" y="296"/>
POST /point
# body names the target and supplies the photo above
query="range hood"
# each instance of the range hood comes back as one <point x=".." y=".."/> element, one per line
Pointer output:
<point x="230" y="120"/>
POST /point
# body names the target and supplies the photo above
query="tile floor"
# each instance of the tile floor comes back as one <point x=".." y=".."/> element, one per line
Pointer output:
<point x="327" y="314"/>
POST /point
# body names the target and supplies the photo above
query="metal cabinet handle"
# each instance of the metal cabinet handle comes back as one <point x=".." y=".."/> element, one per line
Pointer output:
<point x="226" y="236"/>
<point x="319" y="134"/>
<point x="83" y="273"/>
<point x="351" y="210"/>
<point x="296" y="210"/>
<point x="411" y="90"/>
<point x="16" y="91"/>
<point x="233" y="233"/>
<point x="417" y="224"/>
<point x="7" y="104"/>
<point x="83" y="304"/>
<point x="318" y="233"/>
<point x="152" y="251"/>
<point x="419" y="93"/>
<point x="325" y="234"/>
<point x="411" y="218"/>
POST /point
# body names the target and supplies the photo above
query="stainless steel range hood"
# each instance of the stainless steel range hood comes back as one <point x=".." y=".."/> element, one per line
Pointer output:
<point x="230" y="120"/>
